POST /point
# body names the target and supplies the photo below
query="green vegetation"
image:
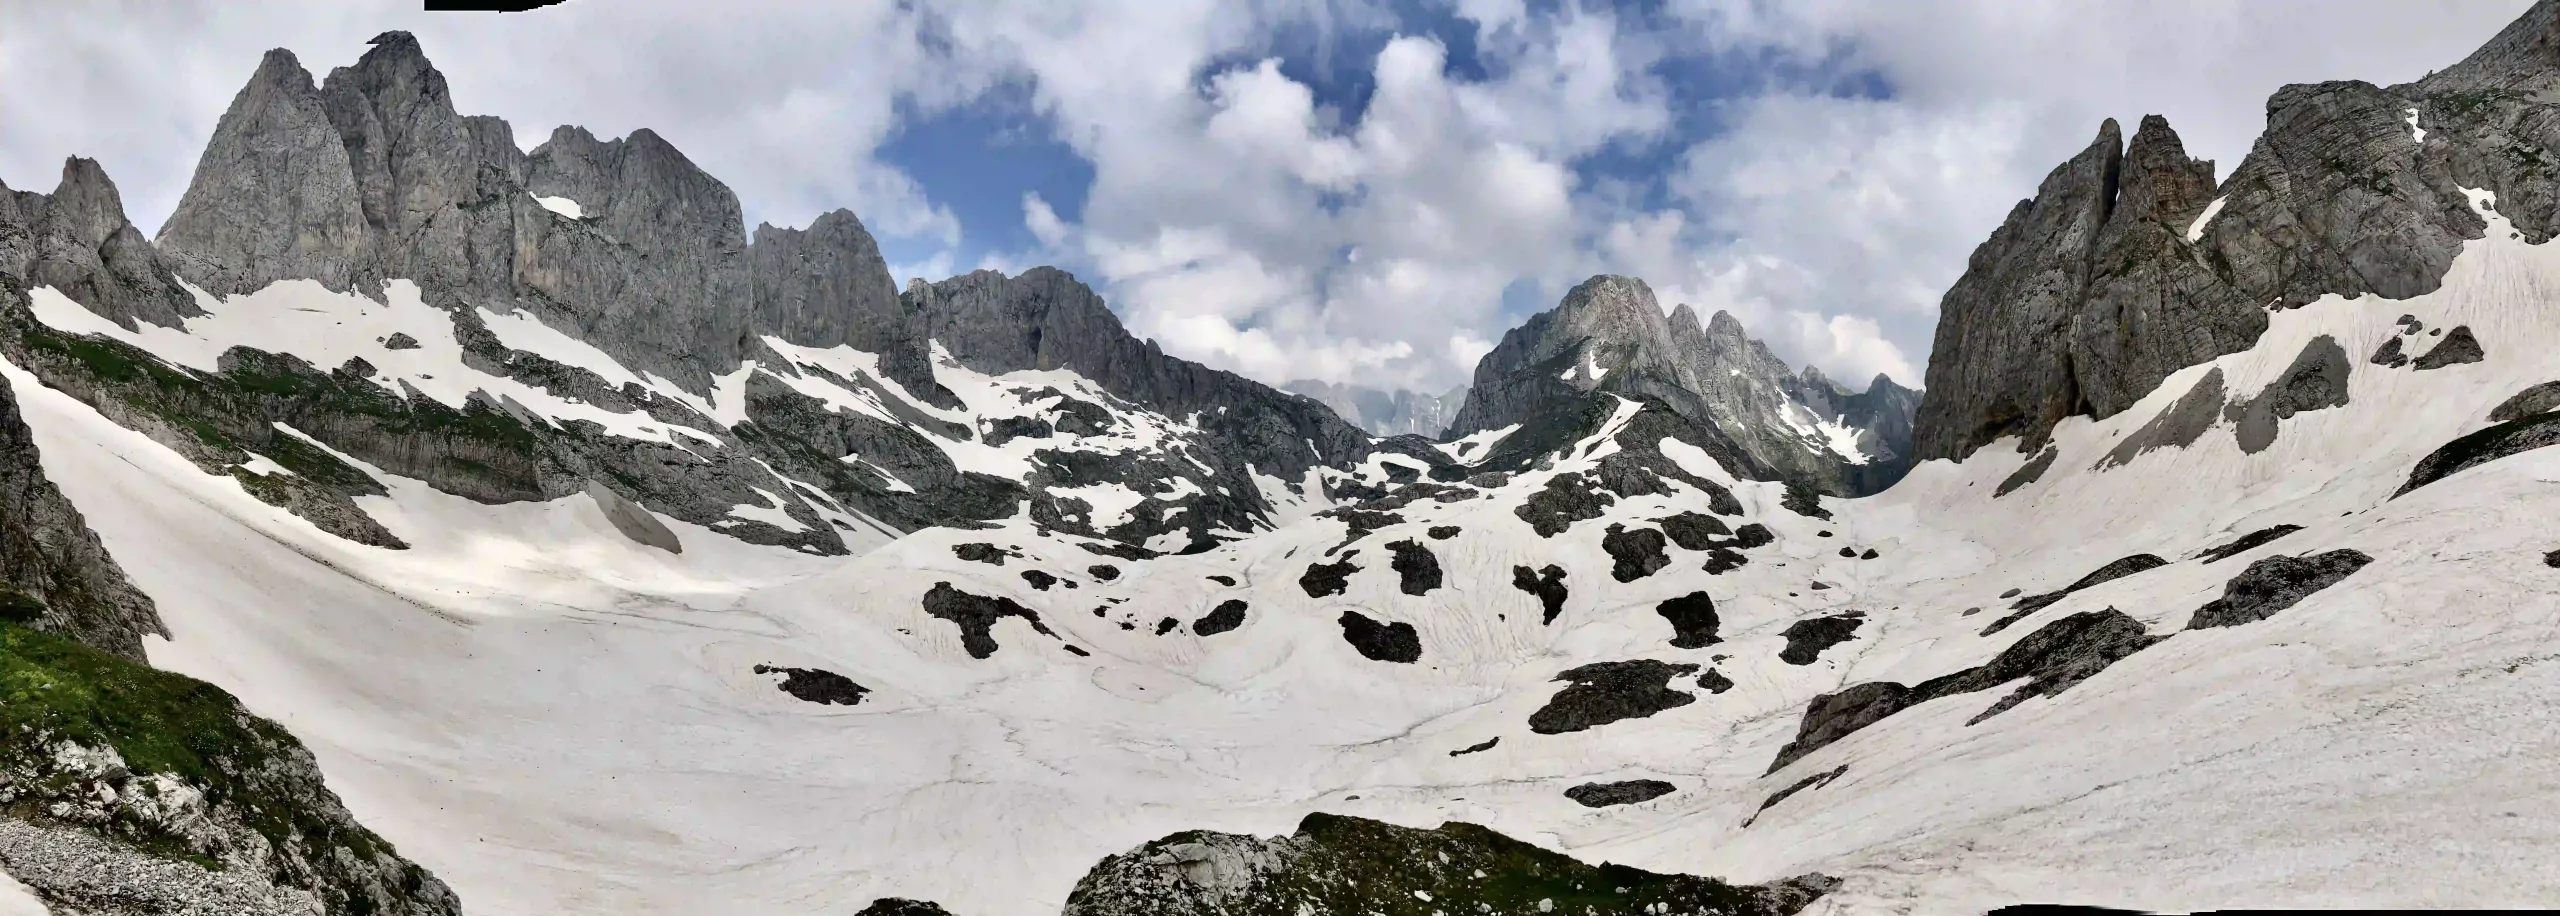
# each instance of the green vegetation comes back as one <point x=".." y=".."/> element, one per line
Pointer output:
<point x="53" y="690"/>
<point x="1337" y="864"/>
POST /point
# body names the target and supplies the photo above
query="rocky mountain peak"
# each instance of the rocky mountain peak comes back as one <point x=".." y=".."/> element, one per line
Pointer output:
<point x="78" y="240"/>
<point x="2523" y="57"/>
<point x="1610" y="335"/>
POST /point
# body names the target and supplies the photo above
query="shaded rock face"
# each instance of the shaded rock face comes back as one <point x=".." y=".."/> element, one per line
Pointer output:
<point x="1381" y="642"/>
<point x="2539" y="399"/>
<point x="1322" y="579"/>
<point x="2316" y="380"/>
<point x="2457" y="348"/>
<point x="1605" y="692"/>
<point x="2513" y="437"/>
<point x="827" y="286"/>
<point x="1611" y="794"/>
<point x="48" y="554"/>
<point x="901" y="906"/>
<point x="2184" y="422"/>
<point x="1337" y="864"/>
<point x="2274" y="584"/>
<point x="1045" y="319"/>
<point x="2338" y="195"/>
<point x="2052" y="659"/>
<point x="1610" y="336"/>
<point x="1634" y="554"/>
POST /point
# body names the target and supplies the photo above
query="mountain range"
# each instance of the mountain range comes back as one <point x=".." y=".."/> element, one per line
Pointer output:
<point x="422" y="525"/>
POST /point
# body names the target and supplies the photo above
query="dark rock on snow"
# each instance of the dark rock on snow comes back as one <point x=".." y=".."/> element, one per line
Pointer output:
<point x="2112" y="571"/>
<point x="1815" y="781"/>
<point x="1333" y="578"/>
<point x="1476" y="748"/>
<point x="2053" y="658"/>
<point x="2539" y="399"/>
<point x="2457" y="348"/>
<point x="817" y="685"/>
<point x="1636" y="554"/>
<point x="1608" y="794"/>
<point x="1693" y="620"/>
<point x="2274" y="584"/>
<point x="1807" y="638"/>
<point x="2510" y="438"/>
<point x="2247" y="542"/>
<point x="1336" y="864"/>
<point x="1605" y="692"/>
<point x="1547" y="584"/>
<point x="976" y="616"/>
<point x="1381" y="642"/>
<point x="1417" y="569"/>
<point x="1228" y="615"/>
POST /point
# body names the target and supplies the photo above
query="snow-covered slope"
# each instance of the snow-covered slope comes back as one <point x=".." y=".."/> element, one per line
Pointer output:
<point x="973" y="615"/>
<point x="551" y="716"/>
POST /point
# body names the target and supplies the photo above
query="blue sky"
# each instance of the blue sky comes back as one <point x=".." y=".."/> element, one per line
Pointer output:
<point x="1352" y="190"/>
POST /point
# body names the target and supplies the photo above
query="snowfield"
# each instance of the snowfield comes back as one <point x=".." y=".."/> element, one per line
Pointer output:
<point x="556" y="719"/>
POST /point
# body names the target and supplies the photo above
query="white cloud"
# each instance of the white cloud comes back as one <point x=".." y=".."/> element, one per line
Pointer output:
<point x="1241" y="220"/>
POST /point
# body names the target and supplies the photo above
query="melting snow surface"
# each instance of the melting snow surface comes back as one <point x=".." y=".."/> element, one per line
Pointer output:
<point x="771" y="512"/>
<point x="555" y="719"/>
<point x="17" y="900"/>
<point x="561" y="205"/>
<point x="326" y="328"/>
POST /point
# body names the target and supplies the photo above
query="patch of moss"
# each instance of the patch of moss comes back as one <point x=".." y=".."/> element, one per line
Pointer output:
<point x="53" y="689"/>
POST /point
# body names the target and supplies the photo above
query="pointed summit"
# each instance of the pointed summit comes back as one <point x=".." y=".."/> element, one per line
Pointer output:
<point x="78" y="241"/>
<point x="273" y="197"/>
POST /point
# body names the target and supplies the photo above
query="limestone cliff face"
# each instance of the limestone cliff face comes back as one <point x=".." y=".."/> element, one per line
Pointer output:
<point x="1611" y="335"/>
<point x="1044" y="318"/>
<point x="2130" y="254"/>
<point x="77" y="240"/>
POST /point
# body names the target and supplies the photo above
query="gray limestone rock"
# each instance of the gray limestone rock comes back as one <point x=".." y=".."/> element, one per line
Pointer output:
<point x="274" y="196"/>
<point x="78" y="241"/>
<point x="827" y="285"/>
<point x="634" y="521"/>
<point x="2457" y="348"/>
<point x="2274" y="584"/>
<point x="1611" y="794"/>
<point x="2534" y="401"/>
<point x="2179" y="426"/>
<point x="2052" y="659"/>
<point x="2316" y="380"/>
<point x="1610" y="336"/>
<point x="2339" y="195"/>
<point x="48" y="553"/>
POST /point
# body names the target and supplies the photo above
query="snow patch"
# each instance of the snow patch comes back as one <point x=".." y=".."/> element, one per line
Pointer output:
<point x="562" y="206"/>
<point x="19" y="900"/>
<point x="264" y="466"/>
<point x="2195" y="230"/>
<point x="771" y="513"/>
<point x="2416" y="133"/>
